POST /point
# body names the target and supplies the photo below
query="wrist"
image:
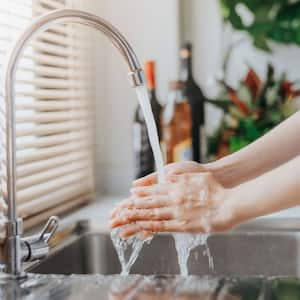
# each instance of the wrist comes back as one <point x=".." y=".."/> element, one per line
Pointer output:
<point x="229" y="213"/>
<point x="239" y="205"/>
<point x="224" y="216"/>
<point x="226" y="171"/>
<point x="232" y="205"/>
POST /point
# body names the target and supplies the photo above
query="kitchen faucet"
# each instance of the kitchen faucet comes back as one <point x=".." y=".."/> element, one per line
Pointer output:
<point x="17" y="248"/>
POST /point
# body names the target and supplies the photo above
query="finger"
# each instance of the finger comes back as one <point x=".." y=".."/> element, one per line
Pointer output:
<point x="199" y="179"/>
<point x="115" y="211"/>
<point x="146" y="202"/>
<point x="152" y="226"/>
<point x="146" y="181"/>
<point x="118" y="208"/>
<point x="152" y="178"/>
<point x="142" y="203"/>
<point x="144" y="235"/>
<point x="170" y="169"/>
<point x="129" y="216"/>
<point x="185" y="177"/>
<point x="150" y="190"/>
<point x="182" y="167"/>
<point x="175" y="178"/>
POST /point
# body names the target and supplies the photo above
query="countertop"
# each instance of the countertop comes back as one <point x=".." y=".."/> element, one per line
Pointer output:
<point x="97" y="212"/>
<point x="115" y="287"/>
<point x="135" y="287"/>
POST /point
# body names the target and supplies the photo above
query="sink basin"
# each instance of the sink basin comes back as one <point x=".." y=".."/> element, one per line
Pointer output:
<point x="259" y="248"/>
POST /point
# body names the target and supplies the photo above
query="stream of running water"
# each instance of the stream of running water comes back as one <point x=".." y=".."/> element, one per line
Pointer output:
<point x="129" y="249"/>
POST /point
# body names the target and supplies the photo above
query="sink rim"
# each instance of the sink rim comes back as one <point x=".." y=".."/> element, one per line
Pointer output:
<point x="259" y="227"/>
<point x="271" y="226"/>
<point x="83" y="232"/>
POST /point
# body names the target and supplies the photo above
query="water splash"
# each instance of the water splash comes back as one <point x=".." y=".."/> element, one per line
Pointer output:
<point x="211" y="264"/>
<point x="127" y="249"/>
<point x="184" y="244"/>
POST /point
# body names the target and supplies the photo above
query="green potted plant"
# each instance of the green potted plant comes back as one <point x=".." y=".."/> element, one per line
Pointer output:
<point x="251" y="110"/>
<point x="269" y="20"/>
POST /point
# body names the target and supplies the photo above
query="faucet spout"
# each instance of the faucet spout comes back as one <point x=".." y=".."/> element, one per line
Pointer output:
<point x="14" y="254"/>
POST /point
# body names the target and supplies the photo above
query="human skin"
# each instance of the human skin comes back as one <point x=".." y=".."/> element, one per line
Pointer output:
<point x="260" y="179"/>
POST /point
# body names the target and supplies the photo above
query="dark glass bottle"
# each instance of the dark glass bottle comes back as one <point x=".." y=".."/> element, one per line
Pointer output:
<point x="196" y="100"/>
<point x="144" y="160"/>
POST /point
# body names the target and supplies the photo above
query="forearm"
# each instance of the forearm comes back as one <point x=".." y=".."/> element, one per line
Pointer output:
<point x="273" y="149"/>
<point x="273" y="191"/>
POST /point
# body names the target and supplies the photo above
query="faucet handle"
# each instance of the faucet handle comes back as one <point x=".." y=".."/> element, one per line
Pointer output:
<point x="37" y="247"/>
<point x="49" y="229"/>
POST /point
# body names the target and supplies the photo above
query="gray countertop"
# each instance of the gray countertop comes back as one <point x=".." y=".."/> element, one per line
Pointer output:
<point x="112" y="287"/>
<point x="90" y="287"/>
<point x="135" y="287"/>
<point x="97" y="212"/>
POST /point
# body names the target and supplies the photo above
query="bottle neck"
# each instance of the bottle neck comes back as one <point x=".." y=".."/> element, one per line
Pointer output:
<point x="186" y="73"/>
<point x="150" y="76"/>
<point x="152" y="95"/>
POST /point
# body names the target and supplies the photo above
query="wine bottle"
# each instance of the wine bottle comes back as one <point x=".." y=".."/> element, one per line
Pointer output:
<point x="144" y="160"/>
<point x="176" y="126"/>
<point x="196" y="100"/>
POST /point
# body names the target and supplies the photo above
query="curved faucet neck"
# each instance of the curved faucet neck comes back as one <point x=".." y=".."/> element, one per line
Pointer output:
<point x="40" y="24"/>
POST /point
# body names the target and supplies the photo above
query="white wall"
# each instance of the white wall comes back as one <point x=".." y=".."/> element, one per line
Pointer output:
<point x="201" y="23"/>
<point x="152" y="29"/>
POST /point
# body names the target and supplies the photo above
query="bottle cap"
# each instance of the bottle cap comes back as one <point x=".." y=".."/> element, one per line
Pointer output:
<point x="176" y="85"/>
<point x="150" y="74"/>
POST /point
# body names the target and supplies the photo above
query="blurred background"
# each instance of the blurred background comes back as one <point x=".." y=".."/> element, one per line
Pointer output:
<point x="233" y="68"/>
<point x="229" y="39"/>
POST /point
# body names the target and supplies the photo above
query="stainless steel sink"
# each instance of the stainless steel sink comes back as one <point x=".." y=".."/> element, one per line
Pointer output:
<point x="269" y="247"/>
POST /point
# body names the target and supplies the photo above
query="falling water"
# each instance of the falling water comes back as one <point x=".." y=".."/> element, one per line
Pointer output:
<point x="144" y="102"/>
<point x="129" y="249"/>
<point x="184" y="244"/>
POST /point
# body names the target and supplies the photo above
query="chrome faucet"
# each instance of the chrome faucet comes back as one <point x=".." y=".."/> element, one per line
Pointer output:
<point x="20" y="249"/>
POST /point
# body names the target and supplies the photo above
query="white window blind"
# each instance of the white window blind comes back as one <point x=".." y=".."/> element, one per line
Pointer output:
<point x="54" y="104"/>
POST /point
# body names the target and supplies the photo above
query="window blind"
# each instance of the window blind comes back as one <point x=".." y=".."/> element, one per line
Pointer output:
<point x="55" y="131"/>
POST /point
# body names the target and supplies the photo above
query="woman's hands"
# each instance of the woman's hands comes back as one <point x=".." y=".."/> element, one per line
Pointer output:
<point x="198" y="202"/>
<point x="190" y="202"/>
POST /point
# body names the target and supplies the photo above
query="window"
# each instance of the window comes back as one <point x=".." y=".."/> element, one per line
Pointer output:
<point x="54" y="111"/>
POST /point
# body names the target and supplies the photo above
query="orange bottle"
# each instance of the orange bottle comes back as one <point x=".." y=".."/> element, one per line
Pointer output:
<point x="176" y="126"/>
